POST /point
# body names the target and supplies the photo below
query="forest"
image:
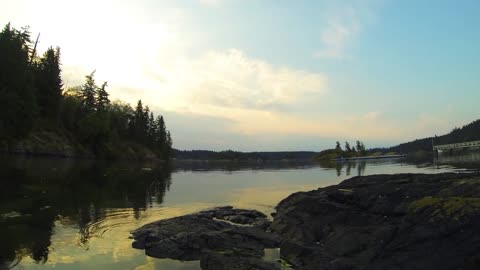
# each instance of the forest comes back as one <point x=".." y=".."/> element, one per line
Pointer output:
<point x="469" y="132"/>
<point x="37" y="110"/>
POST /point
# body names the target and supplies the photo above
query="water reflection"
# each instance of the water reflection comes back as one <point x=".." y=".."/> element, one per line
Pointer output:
<point x="72" y="214"/>
<point x="34" y="194"/>
<point x="347" y="168"/>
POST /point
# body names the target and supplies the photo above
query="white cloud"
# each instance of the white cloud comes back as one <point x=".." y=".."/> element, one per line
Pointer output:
<point x="211" y="3"/>
<point x="343" y="24"/>
<point x="232" y="79"/>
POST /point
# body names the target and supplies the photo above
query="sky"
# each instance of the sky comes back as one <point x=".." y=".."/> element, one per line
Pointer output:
<point x="260" y="75"/>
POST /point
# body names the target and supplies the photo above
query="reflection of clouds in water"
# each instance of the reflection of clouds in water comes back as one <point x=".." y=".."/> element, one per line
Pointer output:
<point x="109" y="237"/>
<point x="265" y="198"/>
<point x="152" y="264"/>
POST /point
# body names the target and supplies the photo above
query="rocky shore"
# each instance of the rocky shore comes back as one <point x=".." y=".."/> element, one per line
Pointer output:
<point x="404" y="221"/>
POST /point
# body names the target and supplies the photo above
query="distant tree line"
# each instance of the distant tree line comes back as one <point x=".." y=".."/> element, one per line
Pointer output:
<point x="469" y="132"/>
<point x="357" y="149"/>
<point x="32" y="97"/>
<point x="243" y="156"/>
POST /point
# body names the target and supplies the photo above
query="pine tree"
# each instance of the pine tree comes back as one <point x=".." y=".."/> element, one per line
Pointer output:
<point x="358" y="146"/>
<point x="89" y="93"/>
<point x="102" y="100"/>
<point x="48" y="83"/>
<point x="161" y="133"/>
<point x="17" y="99"/>
<point x="338" y="148"/>
<point x="152" y="131"/>
<point x="347" y="147"/>
<point x="168" y="146"/>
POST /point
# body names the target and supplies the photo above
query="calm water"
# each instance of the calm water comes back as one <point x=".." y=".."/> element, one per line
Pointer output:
<point x="68" y="214"/>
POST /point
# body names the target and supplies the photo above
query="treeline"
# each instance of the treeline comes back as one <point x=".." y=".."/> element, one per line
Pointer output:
<point x="33" y="98"/>
<point x="469" y="132"/>
<point x="243" y="156"/>
<point x="356" y="149"/>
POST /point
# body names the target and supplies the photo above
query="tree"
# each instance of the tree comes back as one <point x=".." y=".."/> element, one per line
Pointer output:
<point x="102" y="100"/>
<point x="152" y="131"/>
<point x="17" y="99"/>
<point x="168" y="147"/>
<point x="89" y="93"/>
<point x="347" y="147"/>
<point x="338" y="148"/>
<point x="48" y="83"/>
<point x="161" y="133"/>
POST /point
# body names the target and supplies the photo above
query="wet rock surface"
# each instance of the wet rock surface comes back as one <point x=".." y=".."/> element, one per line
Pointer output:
<point x="218" y="238"/>
<point x="404" y="221"/>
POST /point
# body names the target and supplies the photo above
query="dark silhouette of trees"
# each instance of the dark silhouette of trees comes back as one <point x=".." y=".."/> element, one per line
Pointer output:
<point x="469" y="132"/>
<point x="338" y="148"/>
<point x="347" y="147"/>
<point x="32" y="99"/>
<point x="48" y="83"/>
<point x="17" y="98"/>
<point x="88" y="93"/>
<point x="102" y="101"/>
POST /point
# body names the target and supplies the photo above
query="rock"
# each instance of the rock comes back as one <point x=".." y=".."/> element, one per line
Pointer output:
<point x="233" y="261"/>
<point x="222" y="230"/>
<point x="405" y="221"/>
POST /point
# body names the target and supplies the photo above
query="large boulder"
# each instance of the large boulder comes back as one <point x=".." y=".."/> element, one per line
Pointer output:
<point x="405" y="221"/>
<point x="216" y="237"/>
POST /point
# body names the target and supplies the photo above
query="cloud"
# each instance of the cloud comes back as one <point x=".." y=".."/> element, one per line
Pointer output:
<point x="232" y="79"/>
<point x="335" y="38"/>
<point x="211" y="3"/>
<point x="343" y="24"/>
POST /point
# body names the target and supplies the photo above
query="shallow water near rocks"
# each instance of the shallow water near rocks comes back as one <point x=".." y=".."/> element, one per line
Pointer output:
<point x="71" y="214"/>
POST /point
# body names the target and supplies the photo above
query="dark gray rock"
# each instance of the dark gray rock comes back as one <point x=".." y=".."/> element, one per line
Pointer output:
<point x="406" y="221"/>
<point x="233" y="261"/>
<point x="221" y="230"/>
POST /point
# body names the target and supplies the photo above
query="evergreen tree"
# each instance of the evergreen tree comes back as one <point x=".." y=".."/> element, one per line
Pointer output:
<point x="152" y="131"/>
<point x="161" y="133"/>
<point x="363" y="151"/>
<point x="338" y="148"/>
<point x="89" y="93"/>
<point x="347" y="147"/>
<point x="358" y="146"/>
<point x="102" y="100"/>
<point x="48" y="83"/>
<point x="17" y="100"/>
<point x="168" y="146"/>
<point x="139" y="123"/>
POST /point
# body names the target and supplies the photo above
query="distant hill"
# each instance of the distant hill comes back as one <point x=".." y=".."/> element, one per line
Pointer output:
<point x="234" y="155"/>
<point x="470" y="132"/>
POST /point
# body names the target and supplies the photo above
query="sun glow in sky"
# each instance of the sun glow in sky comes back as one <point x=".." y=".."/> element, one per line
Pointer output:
<point x="270" y="75"/>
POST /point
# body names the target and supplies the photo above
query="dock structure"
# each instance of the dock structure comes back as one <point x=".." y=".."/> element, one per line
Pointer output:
<point x="453" y="146"/>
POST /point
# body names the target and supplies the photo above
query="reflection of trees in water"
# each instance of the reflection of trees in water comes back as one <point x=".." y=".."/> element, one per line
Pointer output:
<point x="36" y="193"/>
<point x="358" y="166"/>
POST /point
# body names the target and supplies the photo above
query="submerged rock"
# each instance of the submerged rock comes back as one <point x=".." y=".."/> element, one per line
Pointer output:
<point x="405" y="221"/>
<point x="216" y="237"/>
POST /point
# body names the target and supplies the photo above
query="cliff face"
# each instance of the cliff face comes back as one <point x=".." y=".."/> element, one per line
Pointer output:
<point x="405" y="221"/>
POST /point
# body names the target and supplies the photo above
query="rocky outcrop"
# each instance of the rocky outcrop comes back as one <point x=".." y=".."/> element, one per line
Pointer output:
<point x="221" y="238"/>
<point x="405" y="221"/>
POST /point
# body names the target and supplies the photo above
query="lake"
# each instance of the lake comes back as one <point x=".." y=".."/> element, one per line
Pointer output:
<point x="78" y="214"/>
